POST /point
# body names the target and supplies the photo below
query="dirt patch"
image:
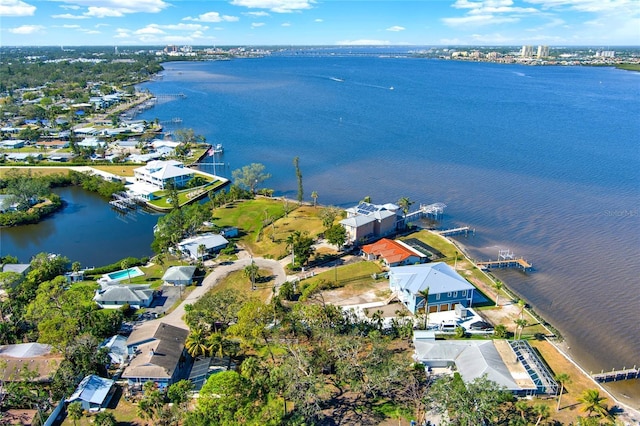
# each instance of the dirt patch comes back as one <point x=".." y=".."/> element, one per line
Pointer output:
<point x="355" y="295"/>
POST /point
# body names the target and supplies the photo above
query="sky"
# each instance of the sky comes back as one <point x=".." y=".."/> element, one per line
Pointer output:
<point x="319" y="22"/>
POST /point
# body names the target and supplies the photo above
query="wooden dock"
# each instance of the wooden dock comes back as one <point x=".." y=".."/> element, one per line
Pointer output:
<point x="506" y="259"/>
<point x="456" y="231"/>
<point x="616" y="375"/>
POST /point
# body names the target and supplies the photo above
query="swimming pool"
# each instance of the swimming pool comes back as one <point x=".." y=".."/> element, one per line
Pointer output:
<point x="124" y="274"/>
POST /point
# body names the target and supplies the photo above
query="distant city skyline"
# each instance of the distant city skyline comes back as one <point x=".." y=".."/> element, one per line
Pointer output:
<point x="316" y="22"/>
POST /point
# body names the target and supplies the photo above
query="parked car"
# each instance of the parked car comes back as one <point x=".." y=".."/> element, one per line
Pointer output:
<point x="481" y="326"/>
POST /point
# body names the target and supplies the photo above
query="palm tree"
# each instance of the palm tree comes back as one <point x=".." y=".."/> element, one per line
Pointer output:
<point x="520" y="325"/>
<point x="592" y="402"/>
<point x="105" y="418"/>
<point x="425" y="294"/>
<point x="405" y="203"/>
<point x="216" y="344"/>
<point x="75" y="411"/>
<point x="521" y="304"/>
<point x="125" y="266"/>
<point x="314" y="195"/>
<point x="251" y="271"/>
<point x="542" y="411"/>
<point x="498" y="286"/>
<point x="202" y="250"/>
<point x="562" y="378"/>
<point x="196" y="343"/>
<point x="522" y="406"/>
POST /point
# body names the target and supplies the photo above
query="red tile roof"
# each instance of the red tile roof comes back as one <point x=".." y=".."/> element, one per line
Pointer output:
<point x="391" y="251"/>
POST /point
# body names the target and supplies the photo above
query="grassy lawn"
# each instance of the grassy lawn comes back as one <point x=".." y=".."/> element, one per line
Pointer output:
<point x="357" y="276"/>
<point x="239" y="282"/>
<point x="118" y="169"/>
<point x="251" y="215"/>
<point x="44" y="171"/>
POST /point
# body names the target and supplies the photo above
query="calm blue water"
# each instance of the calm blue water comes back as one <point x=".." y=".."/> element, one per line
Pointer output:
<point x="544" y="161"/>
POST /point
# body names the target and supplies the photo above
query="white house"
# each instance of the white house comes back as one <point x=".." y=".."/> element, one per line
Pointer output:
<point x="368" y="221"/>
<point x="161" y="173"/>
<point x="179" y="275"/>
<point x="116" y="296"/>
<point x="93" y="393"/>
<point x="211" y="243"/>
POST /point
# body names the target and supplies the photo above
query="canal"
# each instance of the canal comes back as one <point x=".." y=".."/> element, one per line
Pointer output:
<point x="86" y="230"/>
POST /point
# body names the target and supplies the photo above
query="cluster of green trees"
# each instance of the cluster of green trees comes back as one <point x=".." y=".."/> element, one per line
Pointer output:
<point x="44" y="307"/>
<point x="62" y="76"/>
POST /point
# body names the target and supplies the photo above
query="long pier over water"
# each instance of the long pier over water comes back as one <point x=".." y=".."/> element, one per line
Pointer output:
<point x="615" y="375"/>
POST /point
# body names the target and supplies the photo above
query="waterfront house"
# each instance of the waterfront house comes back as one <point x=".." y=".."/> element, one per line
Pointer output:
<point x="210" y="243"/>
<point x="19" y="268"/>
<point x="446" y="287"/>
<point x="513" y="365"/>
<point x="162" y="173"/>
<point x="393" y="253"/>
<point x="93" y="393"/>
<point x="179" y="275"/>
<point x="158" y="354"/>
<point x="367" y="221"/>
<point x="114" y="296"/>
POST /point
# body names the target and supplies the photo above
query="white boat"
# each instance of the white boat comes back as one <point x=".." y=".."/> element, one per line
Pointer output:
<point x="217" y="148"/>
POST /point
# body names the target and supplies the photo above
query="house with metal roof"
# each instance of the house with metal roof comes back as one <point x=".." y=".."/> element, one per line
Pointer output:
<point x="117" y="346"/>
<point x="158" y="354"/>
<point x="393" y="253"/>
<point x="179" y="275"/>
<point x="501" y="361"/>
<point x="93" y="393"/>
<point x="162" y="173"/>
<point x="203" y="245"/>
<point x="446" y="287"/>
<point x="117" y="295"/>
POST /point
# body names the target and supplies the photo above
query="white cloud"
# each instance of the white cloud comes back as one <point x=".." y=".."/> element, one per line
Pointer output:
<point x="149" y="29"/>
<point x="91" y="31"/>
<point x="122" y="33"/>
<point x="162" y="29"/>
<point x="257" y="24"/>
<point x="69" y="16"/>
<point x="587" y="5"/>
<point x="286" y="24"/>
<point x="104" y="12"/>
<point x="26" y="29"/>
<point x="260" y="14"/>
<point x="488" y="12"/>
<point x="396" y="28"/>
<point x="16" y="8"/>
<point x="478" y="20"/>
<point x="118" y="8"/>
<point x="71" y="26"/>
<point x="363" y="42"/>
<point x="69" y="7"/>
<point x="318" y="20"/>
<point x="276" y="6"/>
<point x="212" y="17"/>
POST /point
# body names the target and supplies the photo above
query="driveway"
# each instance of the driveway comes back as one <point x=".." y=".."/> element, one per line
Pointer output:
<point x="175" y="317"/>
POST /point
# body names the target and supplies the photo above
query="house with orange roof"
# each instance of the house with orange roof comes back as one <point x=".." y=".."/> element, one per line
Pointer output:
<point x="393" y="253"/>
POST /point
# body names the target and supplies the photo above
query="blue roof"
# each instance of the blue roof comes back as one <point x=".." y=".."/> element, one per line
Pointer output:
<point x="92" y="389"/>
<point x="439" y="277"/>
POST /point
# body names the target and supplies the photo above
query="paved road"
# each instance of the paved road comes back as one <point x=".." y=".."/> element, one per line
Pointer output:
<point x="176" y="316"/>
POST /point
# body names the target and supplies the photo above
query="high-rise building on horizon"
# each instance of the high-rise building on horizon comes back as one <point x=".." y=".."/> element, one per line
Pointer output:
<point x="527" y="51"/>
<point x="543" y="52"/>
